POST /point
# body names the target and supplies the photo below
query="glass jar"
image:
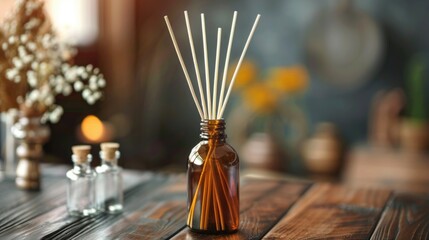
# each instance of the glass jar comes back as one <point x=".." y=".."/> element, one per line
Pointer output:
<point x="81" y="192"/>
<point x="109" y="183"/>
<point x="213" y="182"/>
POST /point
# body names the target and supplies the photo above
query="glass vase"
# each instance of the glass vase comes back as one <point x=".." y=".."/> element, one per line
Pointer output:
<point x="213" y="182"/>
<point x="8" y="158"/>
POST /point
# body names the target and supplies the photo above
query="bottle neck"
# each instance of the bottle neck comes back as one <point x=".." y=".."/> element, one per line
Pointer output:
<point x="81" y="166"/>
<point x="113" y="163"/>
<point x="213" y="130"/>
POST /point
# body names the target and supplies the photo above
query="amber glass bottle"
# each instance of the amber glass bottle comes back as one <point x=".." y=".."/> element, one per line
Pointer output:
<point x="213" y="182"/>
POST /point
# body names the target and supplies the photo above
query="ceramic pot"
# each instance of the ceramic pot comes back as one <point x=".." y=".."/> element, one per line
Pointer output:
<point x="322" y="153"/>
<point x="261" y="151"/>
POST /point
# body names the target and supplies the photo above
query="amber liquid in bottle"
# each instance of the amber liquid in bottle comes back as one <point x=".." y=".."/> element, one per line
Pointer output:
<point x="213" y="182"/>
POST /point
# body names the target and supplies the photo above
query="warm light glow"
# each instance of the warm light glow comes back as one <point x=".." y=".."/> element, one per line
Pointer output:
<point x="5" y="8"/>
<point x="76" y="21"/>
<point x="92" y="128"/>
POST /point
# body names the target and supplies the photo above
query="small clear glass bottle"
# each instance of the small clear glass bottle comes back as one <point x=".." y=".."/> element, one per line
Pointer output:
<point x="109" y="182"/>
<point x="81" y="196"/>
<point x="213" y="182"/>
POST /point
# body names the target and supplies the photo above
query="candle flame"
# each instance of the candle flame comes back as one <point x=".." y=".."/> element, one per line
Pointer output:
<point x="92" y="128"/>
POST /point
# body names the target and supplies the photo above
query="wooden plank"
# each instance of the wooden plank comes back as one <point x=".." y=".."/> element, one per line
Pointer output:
<point x="29" y="205"/>
<point x="263" y="203"/>
<point x="332" y="212"/>
<point x="152" y="215"/>
<point x="405" y="217"/>
<point x="80" y="228"/>
<point x="45" y="211"/>
<point x="158" y="220"/>
<point x="12" y="197"/>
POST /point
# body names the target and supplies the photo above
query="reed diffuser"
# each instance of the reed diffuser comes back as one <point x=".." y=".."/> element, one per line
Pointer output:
<point x="213" y="165"/>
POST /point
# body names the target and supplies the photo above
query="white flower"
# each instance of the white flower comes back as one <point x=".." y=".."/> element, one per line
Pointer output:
<point x="34" y="65"/>
<point x="52" y="81"/>
<point x="78" y="86"/>
<point x="44" y="68"/>
<point x="46" y="41"/>
<point x="97" y="95"/>
<point x="24" y="38"/>
<point x="80" y="71"/>
<point x="17" y="79"/>
<point x="90" y="100"/>
<point x="12" y="40"/>
<point x="21" y="51"/>
<point x="32" y="79"/>
<point x="66" y="67"/>
<point x="58" y="88"/>
<point x="34" y="95"/>
<point x="93" y="79"/>
<point x="45" y="118"/>
<point x="93" y="86"/>
<point x="41" y="60"/>
<point x="54" y="117"/>
<point x="27" y="59"/>
<point x="59" y="79"/>
<point x="86" y="94"/>
<point x="89" y="68"/>
<point x="11" y="73"/>
<point x="67" y="89"/>
<point x="70" y="75"/>
<point x="101" y="82"/>
<point x="84" y="75"/>
<point x="59" y="110"/>
<point x="34" y="22"/>
<point x="49" y="100"/>
<point x="17" y="63"/>
<point x="31" y="46"/>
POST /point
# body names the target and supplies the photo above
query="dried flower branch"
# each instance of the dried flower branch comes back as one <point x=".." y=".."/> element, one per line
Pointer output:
<point x="35" y="66"/>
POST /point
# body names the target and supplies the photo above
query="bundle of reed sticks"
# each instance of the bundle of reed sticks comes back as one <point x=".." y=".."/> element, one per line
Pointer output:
<point x="211" y="109"/>
<point x="218" y="201"/>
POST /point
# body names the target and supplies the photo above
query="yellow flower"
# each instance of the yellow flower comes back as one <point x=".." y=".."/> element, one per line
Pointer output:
<point x="288" y="80"/>
<point x="247" y="74"/>
<point x="260" y="98"/>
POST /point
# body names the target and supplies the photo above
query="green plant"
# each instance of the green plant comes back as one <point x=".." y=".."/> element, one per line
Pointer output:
<point x="415" y="89"/>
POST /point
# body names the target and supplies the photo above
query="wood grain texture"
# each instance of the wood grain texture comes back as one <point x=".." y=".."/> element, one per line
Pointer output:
<point x="100" y="227"/>
<point x="263" y="203"/>
<point x="44" y="213"/>
<point x="332" y="212"/>
<point x="155" y="208"/>
<point x="405" y="217"/>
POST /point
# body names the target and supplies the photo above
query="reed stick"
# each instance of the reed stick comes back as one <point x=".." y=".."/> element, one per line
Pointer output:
<point x="182" y="63"/>
<point x="225" y="67"/>
<point x="237" y="68"/>
<point x="206" y="65"/>
<point x="215" y="77"/>
<point x="197" y="70"/>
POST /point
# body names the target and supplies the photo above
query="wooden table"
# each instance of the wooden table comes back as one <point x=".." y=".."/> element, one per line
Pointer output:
<point x="155" y="208"/>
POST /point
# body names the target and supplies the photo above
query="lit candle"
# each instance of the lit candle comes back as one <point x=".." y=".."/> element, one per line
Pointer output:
<point x="93" y="130"/>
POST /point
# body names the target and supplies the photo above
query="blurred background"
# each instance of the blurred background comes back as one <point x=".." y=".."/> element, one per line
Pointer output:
<point x="333" y="90"/>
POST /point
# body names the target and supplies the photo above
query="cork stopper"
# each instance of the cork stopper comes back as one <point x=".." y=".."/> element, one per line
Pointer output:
<point x="109" y="150"/>
<point x="81" y="153"/>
